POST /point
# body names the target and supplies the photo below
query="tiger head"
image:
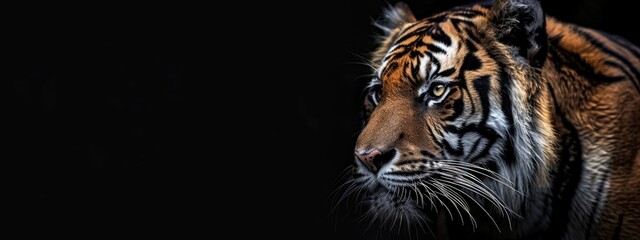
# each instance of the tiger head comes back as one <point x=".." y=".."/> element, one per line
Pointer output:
<point x="456" y="116"/>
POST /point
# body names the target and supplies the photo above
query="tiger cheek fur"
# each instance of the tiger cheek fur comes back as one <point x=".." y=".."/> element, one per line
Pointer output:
<point x="496" y="121"/>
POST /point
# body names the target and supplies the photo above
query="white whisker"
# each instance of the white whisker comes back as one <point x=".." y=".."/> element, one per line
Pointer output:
<point x="443" y="192"/>
<point x="474" y="224"/>
<point x="430" y="194"/>
<point x="482" y="191"/>
<point x="441" y="203"/>
<point x="484" y="172"/>
<point x="479" y="187"/>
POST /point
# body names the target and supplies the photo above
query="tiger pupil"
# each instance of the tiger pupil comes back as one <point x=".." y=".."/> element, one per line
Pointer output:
<point x="438" y="90"/>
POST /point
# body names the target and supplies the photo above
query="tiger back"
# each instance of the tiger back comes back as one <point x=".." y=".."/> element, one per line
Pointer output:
<point x="495" y="121"/>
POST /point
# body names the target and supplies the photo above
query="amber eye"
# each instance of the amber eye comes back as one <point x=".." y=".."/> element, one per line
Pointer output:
<point x="437" y="90"/>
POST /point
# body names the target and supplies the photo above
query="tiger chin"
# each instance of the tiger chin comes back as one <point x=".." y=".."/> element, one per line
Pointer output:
<point x="496" y="121"/>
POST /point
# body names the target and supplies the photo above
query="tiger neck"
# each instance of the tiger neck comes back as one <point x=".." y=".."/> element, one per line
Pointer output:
<point x="543" y="210"/>
<point x="548" y="207"/>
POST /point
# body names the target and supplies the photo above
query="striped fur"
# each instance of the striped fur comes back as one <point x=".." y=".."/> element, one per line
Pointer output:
<point x="494" y="121"/>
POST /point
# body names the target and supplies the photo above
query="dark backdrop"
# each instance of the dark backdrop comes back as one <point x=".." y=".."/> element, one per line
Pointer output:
<point x="177" y="118"/>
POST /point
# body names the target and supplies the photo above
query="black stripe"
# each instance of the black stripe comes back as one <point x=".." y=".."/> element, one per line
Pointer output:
<point x="463" y="129"/>
<point x="427" y="154"/>
<point x="415" y="67"/>
<point x="594" y="207"/>
<point x="618" y="78"/>
<point x="618" y="66"/>
<point x="471" y="47"/>
<point x="457" y="23"/>
<point x="604" y="48"/>
<point x="570" y="61"/>
<point x="437" y="18"/>
<point x="481" y="129"/>
<point x="438" y="35"/>
<point x="433" y="137"/>
<point x="470" y="63"/>
<point x="623" y="43"/>
<point x="416" y="32"/>
<point x="457" y="108"/>
<point x="616" y="234"/>
<point x="398" y="52"/>
<point x="412" y="80"/>
<point x="446" y="73"/>
<point x="412" y="161"/>
<point x="566" y="178"/>
<point x="483" y="86"/>
<point x="391" y="55"/>
<point x="434" y="48"/>
<point x="391" y="67"/>
<point x="485" y="151"/>
<point x="505" y="94"/>
<point x="447" y="147"/>
<point x="473" y="36"/>
<point x="405" y="37"/>
<point x="508" y="153"/>
<point x="474" y="147"/>
<point x="465" y="91"/>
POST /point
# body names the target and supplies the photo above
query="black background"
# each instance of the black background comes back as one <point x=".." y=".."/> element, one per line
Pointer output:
<point x="197" y="119"/>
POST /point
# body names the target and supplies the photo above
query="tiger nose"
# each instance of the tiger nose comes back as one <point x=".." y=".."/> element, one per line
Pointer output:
<point x="374" y="159"/>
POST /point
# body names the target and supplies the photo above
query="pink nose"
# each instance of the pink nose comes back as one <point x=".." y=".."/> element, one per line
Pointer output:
<point x="368" y="158"/>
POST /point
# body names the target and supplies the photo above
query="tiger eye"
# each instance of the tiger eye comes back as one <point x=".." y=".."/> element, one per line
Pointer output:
<point x="438" y="90"/>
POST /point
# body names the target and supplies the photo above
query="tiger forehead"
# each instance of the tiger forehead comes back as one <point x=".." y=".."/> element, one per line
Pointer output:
<point x="416" y="50"/>
<point x="426" y="43"/>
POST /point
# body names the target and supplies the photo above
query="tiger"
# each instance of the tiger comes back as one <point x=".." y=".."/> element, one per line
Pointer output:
<point x="495" y="120"/>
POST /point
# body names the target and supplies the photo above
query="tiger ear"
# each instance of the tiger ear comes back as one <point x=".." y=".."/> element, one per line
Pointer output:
<point x="394" y="17"/>
<point x="520" y="24"/>
<point x="391" y="23"/>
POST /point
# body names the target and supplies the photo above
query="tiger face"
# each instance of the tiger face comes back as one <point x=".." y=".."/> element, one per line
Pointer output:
<point x="450" y="97"/>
